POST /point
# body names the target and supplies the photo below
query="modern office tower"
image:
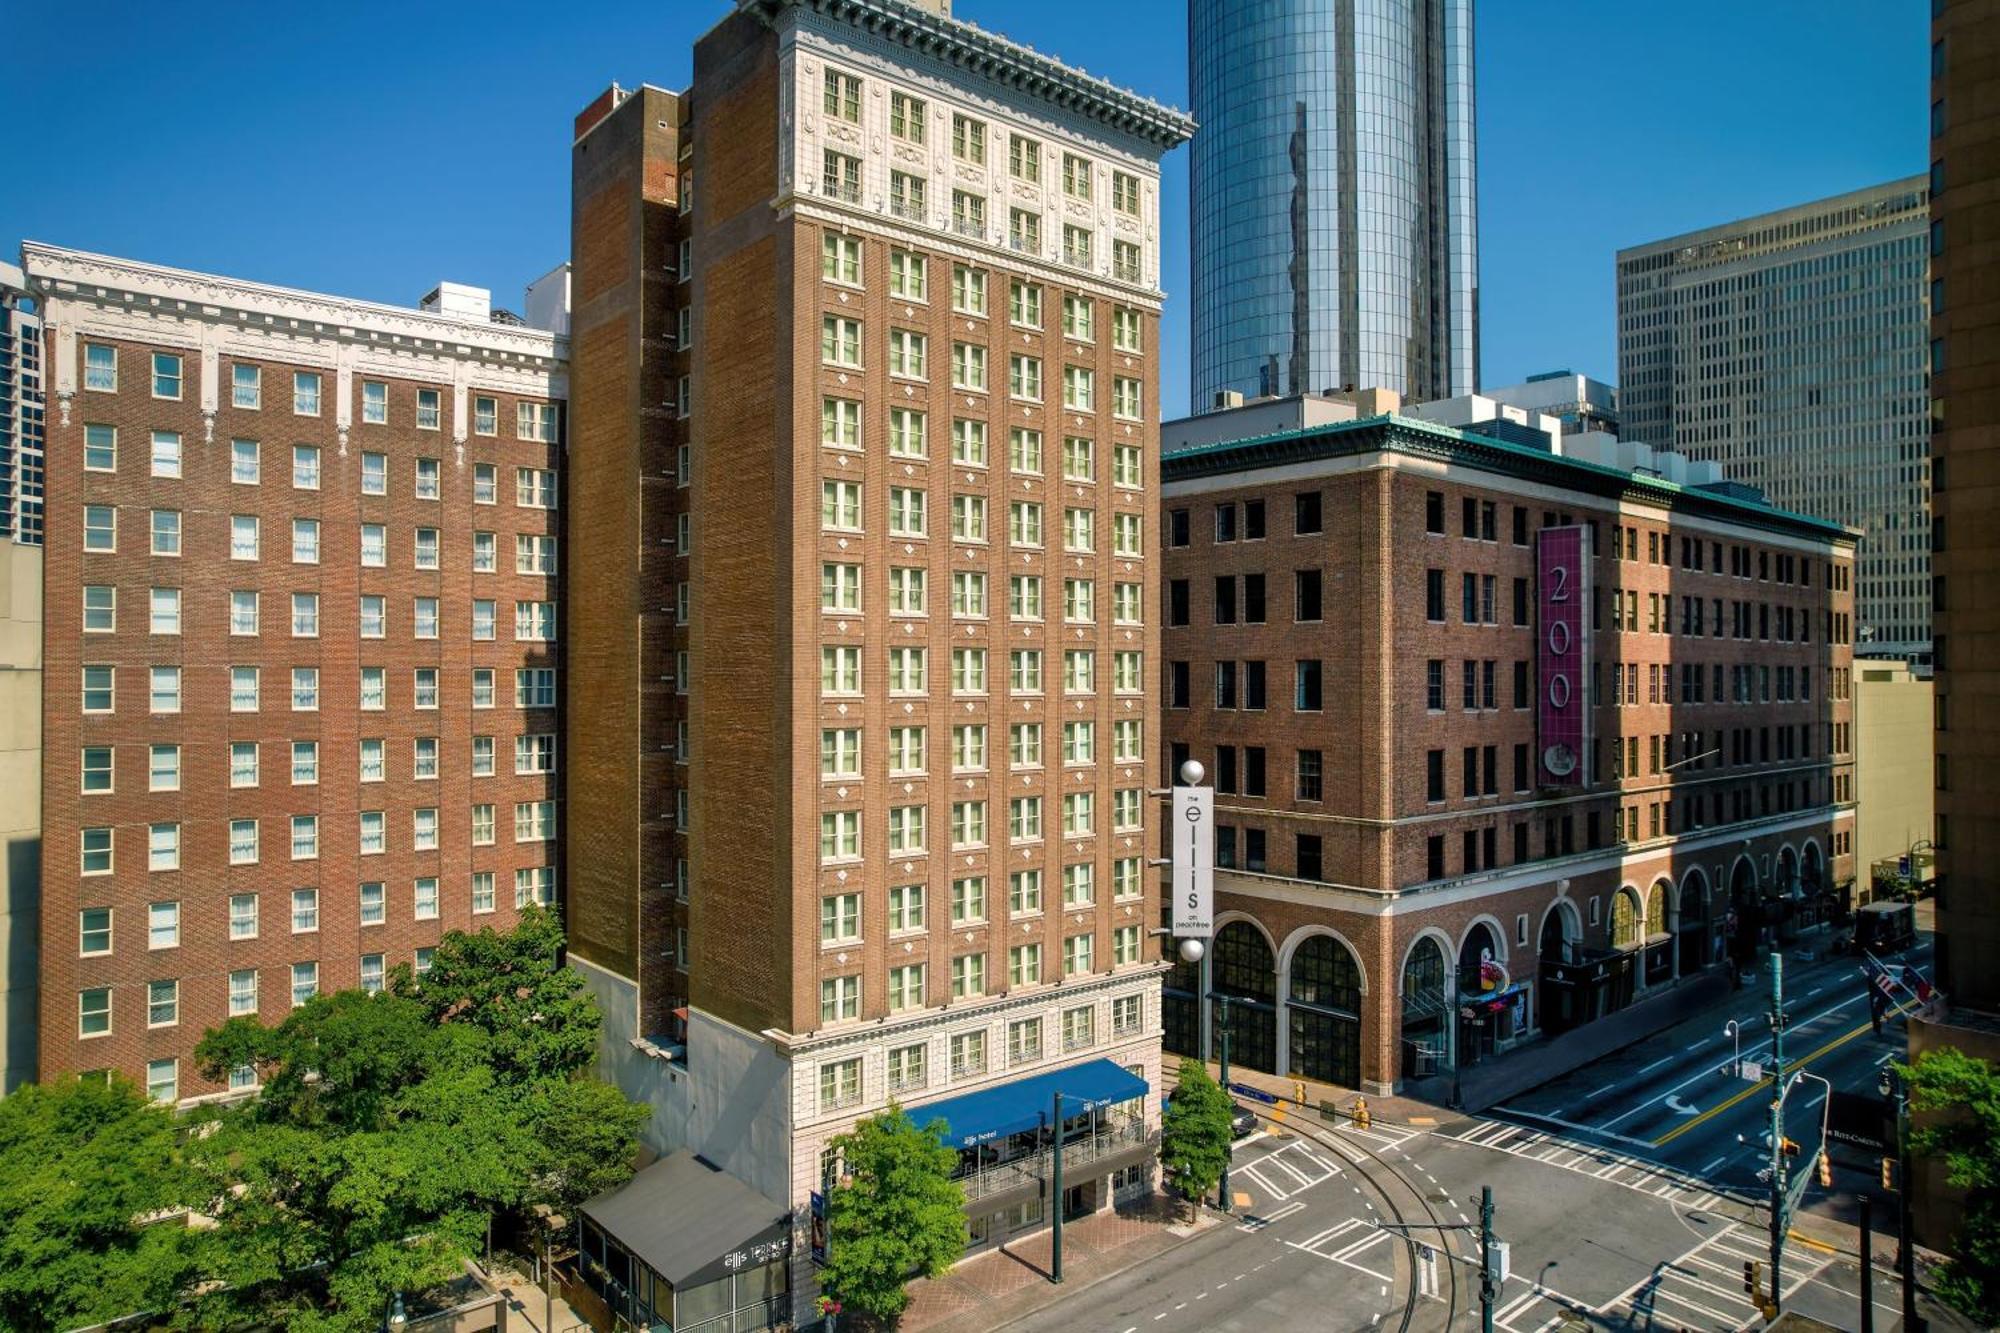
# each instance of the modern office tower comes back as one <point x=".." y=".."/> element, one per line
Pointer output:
<point x="865" y="391"/>
<point x="1334" y="198"/>
<point x="1792" y="348"/>
<point x="301" y="647"/>
<point x="1965" y="442"/>
<point x="21" y="411"/>
<point x="1502" y="740"/>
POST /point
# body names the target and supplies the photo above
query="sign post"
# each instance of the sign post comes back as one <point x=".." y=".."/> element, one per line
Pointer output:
<point x="1193" y="834"/>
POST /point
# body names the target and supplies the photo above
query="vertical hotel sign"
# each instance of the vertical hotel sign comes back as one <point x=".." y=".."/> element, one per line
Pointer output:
<point x="1562" y="652"/>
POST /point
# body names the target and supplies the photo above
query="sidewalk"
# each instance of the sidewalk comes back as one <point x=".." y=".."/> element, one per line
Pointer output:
<point x="996" y="1288"/>
<point x="526" y="1308"/>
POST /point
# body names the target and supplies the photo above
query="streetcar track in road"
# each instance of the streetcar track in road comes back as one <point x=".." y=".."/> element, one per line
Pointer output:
<point x="1765" y="1082"/>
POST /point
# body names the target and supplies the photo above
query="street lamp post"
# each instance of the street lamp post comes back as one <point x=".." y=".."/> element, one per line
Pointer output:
<point x="1486" y="1284"/>
<point x="1055" y="1251"/>
<point x="1894" y="1087"/>
<point x="1732" y="1029"/>
<point x="1779" y="1223"/>
<point x="1222" y="1002"/>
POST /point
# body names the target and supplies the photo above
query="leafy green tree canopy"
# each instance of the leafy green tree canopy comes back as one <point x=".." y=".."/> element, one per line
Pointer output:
<point x="897" y="1215"/>
<point x="1964" y="1091"/>
<point x="83" y="1164"/>
<point x="1195" y="1131"/>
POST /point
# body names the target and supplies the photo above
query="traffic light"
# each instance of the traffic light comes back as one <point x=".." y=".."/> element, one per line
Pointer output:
<point x="1750" y="1268"/>
<point x="1825" y="1171"/>
<point x="1889" y="1173"/>
<point x="1790" y="1147"/>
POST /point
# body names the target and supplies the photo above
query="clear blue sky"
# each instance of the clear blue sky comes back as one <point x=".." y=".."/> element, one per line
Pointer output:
<point x="372" y="150"/>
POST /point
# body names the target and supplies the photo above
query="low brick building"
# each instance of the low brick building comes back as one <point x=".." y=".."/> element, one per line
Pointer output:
<point x="300" y="644"/>
<point x="1446" y="822"/>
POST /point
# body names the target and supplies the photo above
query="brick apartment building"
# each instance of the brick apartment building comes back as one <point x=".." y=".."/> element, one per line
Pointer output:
<point x="300" y="714"/>
<point x="866" y="396"/>
<point x="1353" y="617"/>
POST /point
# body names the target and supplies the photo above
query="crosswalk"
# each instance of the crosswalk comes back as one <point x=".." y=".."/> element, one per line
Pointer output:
<point x="1634" y="1173"/>
<point x="1291" y="1170"/>
<point x="1701" y="1289"/>
<point x="1357" y="1244"/>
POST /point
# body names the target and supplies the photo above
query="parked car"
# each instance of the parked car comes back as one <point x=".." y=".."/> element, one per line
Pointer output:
<point x="1242" y="1120"/>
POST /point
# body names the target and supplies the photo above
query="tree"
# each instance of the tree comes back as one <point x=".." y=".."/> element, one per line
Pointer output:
<point x="1966" y="1137"/>
<point x="1195" y="1131"/>
<point x="83" y="1164"/>
<point x="514" y="987"/>
<point x="897" y="1215"/>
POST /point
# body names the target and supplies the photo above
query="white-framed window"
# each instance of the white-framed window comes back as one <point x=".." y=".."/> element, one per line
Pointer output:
<point x="424" y="685"/>
<point x="164" y="695"/>
<point x="968" y="442"/>
<point x="163" y="1076"/>
<point x="424" y="618"/>
<point x="244" y="536"/>
<point x="1126" y="261"/>
<point x="1079" y="530"/>
<point x="96" y="769"/>
<point x="840" y="258"/>
<point x="1024" y="965"/>
<point x="1127" y="332"/>
<point x="1124" y="952"/>
<point x="371" y="973"/>
<point x="840" y="341"/>
<point x="243" y="992"/>
<point x="485" y="484"/>
<point x="167" y="375"/>
<point x="482" y="892"/>
<point x="908" y="195"/>
<point x="374" y="473"/>
<point x="429" y="409"/>
<point x="968" y="140"/>
<point x="485" y="416"/>
<point x="906" y="1065"/>
<point x="534" y="553"/>
<point x="535" y="687"/>
<point x="305" y="763"/>
<point x="534" y="821"/>
<point x="243" y="689"/>
<point x="839" y="835"/>
<point x="485" y="553"/>
<point x="1025" y="671"/>
<point x="968" y="824"/>
<point x="166" y="456"/>
<point x="534" y="488"/>
<point x="535" y="884"/>
<point x="100" y="368"/>
<point x="906" y="987"/>
<point x="243" y="764"/>
<point x="839" y="1081"/>
<point x="840" y="176"/>
<point x="840" y="752"/>
<point x="305" y="393"/>
<point x="906" y="830"/>
<point x="535" y="421"/>
<point x="93" y="1012"/>
<point x="94" y="851"/>
<point x="840" y="423"/>
<point x="534" y="622"/>
<point x="305" y="615"/>
<point x="840" y="506"/>
<point x="1079" y="601"/>
<point x="305" y="689"/>
<point x="243" y="842"/>
<point x="164" y="611"/>
<point x="909" y="276"/>
<point x="842" y="96"/>
<point x="1079" y="389"/>
<point x="1125" y="398"/>
<point x="839" y="587"/>
<point x="305" y="541"/>
<point x="427" y="899"/>
<point x="242" y="916"/>
<point x="305" y="983"/>
<point x="100" y="448"/>
<point x="906" y="908"/>
<point x="1079" y="318"/>
<point x="909" y="433"/>
<point x="166" y="531"/>
<point x="1024" y="818"/>
<point x="968" y="367"/>
<point x="305" y="467"/>
<point x="374" y="403"/>
<point x="1024" y="377"/>
<point x="1079" y="953"/>
<point x="482" y="687"/>
<point x="429" y="479"/>
<point x="305" y="911"/>
<point x="374" y="903"/>
<point x="100" y="528"/>
<point x="909" y="670"/>
<point x="482" y="757"/>
<point x="839" y="669"/>
<point x="1024" y="233"/>
<point x="968" y="594"/>
<point x="908" y="352"/>
<point x="305" y="837"/>
<point x="839" y="1000"/>
<point x="93" y="931"/>
<point x="100" y="608"/>
<point x="839" y="918"/>
<point x="1078" y="245"/>
<point x="424" y="829"/>
<point x="968" y="285"/>
<point x="163" y="925"/>
<point x="374" y="833"/>
<point x="374" y="618"/>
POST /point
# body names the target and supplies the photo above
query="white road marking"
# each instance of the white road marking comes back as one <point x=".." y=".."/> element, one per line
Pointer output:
<point x="1663" y="1060"/>
<point x="1712" y="1165"/>
<point x="1158" y="1317"/>
<point x="1698" y="1045"/>
<point x="1201" y="1295"/>
<point x="1599" y="1092"/>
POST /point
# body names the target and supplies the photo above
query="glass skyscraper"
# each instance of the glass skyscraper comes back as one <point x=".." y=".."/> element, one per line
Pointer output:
<point x="1334" y="197"/>
<point x="1793" y="348"/>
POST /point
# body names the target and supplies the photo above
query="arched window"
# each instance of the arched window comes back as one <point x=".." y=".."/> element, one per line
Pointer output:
<point x="1245" y="971"/>
<point x="1656" y="909"/>
<point x="1624" y="921"/>
<point x="1324" y="987"/>
<point x="1426" y="1011"/>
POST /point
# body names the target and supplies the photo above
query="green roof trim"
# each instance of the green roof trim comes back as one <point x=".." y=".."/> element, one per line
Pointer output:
<point x="1428" y="439"/>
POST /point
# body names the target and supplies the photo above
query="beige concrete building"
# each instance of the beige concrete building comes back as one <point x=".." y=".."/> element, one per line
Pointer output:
<point x="1892" y="768"/>
<point x="20" y="809"/>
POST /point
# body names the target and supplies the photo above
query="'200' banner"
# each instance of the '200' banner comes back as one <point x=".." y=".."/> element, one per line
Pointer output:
<point x="1562" y="653"/>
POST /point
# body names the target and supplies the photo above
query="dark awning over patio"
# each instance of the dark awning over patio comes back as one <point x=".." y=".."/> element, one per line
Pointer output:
<point x="692" y="1222"/>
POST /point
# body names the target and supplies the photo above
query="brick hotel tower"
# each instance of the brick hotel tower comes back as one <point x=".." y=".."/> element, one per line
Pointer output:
<point x="866" y="434"/>
<point x="300" y="705"/>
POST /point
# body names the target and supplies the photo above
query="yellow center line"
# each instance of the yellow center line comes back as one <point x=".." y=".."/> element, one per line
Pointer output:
<point x="1764" y="1082"/>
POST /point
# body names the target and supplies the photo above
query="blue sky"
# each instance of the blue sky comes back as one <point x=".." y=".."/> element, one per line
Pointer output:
<point x="372" y="150"/>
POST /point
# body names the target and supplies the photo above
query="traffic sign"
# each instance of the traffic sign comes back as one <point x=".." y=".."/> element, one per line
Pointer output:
<point x="1193" y="834"/>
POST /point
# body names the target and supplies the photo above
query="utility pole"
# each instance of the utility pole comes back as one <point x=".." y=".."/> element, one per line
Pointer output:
<point x="1486" y="1292"/>
<point x="1778" y="1220"/>
<point x="1055" y="1251"/>
<point x="1906" y="1250"/>
<point x="1867" y="1266"/>
<point x="1222" y="1002"/>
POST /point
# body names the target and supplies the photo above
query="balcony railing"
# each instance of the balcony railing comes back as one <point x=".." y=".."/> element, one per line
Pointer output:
<point x="1000" y="1177"/>
<point x="908" y="211"/>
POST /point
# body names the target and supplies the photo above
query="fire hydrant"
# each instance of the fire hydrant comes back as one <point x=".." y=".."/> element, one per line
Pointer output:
<point x="1361" y="1113"/>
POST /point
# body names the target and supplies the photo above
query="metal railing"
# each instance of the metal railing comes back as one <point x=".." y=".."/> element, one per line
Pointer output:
<point x="987" y="1181"/>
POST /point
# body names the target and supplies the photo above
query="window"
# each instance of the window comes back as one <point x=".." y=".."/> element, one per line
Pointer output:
<point x="305" y="837"/>
<point x="968" y="367"/>
<point x="909" y="276"/>
<point x="535" y="687"/>
<point x="840" y="177"/>
<point x="968" y="978"/>
<point x="840" y="341"/>
<point x="1306" y="594"/>
<point x="242" y="992"/>
<point x="163" y="1076"/>
<point x="164" y="695"/>
<point x="242" y="842"/>
<point x="842" y="100"/>
<point x="1024" y="307"/>
<point x="536" y="421"/>
<point x="485" y="416"/>
<point x="535" y="884"/>
<point x="534" y="488"/>
<point x="840" y="918"/>
<point x="166" y="531"/>
<point x="166" y="375"/>
<point x="906" y="195"/>
<point x="426" y="899"/>
<point x="907" y="350"/>
<point x="305" y="615"/>
<point x="305" y="911"/>
<point x="906" y="987"/>
<point x="839" y="999"/>
<point x="163" y="925"/>
<point x="968" y="140"/>
<point x="839" y="1082"/>
<point x="243" y="463"/>
<point x="243" y="916"/>
<point x="428" y="480"/>
<point x="305" y="393"/>
<point x="305" y="983"/>
<point x="100" y="368"/>
<point x="840" y="835"/>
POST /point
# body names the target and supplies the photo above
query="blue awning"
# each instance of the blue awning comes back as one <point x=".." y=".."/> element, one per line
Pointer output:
<point x="1025" y="1104"/>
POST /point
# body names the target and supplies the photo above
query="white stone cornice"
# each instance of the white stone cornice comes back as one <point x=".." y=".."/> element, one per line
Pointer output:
<point x="111" y="285"/>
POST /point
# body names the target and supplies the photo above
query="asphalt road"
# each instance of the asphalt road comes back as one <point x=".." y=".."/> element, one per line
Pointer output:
<point x="1678" y="1100"/>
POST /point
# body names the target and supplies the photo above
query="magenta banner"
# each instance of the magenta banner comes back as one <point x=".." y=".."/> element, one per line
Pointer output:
<point x="1562" y="628"/>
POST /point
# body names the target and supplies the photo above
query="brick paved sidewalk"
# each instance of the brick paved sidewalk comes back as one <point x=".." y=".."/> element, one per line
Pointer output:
<point x="1004" y="1284"/>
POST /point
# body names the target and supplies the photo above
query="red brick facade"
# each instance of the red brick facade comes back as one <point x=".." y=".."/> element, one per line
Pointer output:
<point x="1376" y="761"/>
<point x="174" y="780"/>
